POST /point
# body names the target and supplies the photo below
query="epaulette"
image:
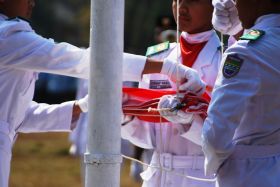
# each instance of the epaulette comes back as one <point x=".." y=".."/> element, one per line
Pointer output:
<point x="157" y="49"/>
<point x="18" y="19"/>
<point x="252" y="35"/>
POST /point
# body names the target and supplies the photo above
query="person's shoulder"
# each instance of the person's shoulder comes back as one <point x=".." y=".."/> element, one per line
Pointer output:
<point x="253" y="35"/>
<point x="250" y="41"/>
<point x="12" y="25"/>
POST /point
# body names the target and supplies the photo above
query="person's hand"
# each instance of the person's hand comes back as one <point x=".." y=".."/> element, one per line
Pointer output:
<point x="225" y="17"/>
<point x="188" y="77"/>
<point x="167" y="109"/>
<point x="83" y="103"/>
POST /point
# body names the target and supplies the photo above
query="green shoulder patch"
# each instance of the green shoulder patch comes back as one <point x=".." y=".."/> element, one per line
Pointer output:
<point x="232" y="66"/>
<point x="157" y="49"/>
<point x="252" y="35"/>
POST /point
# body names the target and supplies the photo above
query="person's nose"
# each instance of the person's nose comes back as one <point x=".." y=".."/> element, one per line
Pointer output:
<point x="183" y="7"/>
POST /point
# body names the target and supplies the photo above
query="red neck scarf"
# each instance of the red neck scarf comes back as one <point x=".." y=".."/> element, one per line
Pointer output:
<point x="190" y="51"/>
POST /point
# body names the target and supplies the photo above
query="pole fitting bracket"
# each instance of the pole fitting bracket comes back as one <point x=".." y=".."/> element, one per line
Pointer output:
<point x="97" y="159"/>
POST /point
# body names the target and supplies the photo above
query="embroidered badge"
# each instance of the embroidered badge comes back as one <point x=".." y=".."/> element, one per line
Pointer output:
<point x="157" y="49"/>
<point x="160" y="84"/>
<point x="253" y="35"/>
<point x="232" y="66"/>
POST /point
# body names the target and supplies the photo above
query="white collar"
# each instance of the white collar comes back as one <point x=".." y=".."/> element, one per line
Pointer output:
<point x="198" y="37"/>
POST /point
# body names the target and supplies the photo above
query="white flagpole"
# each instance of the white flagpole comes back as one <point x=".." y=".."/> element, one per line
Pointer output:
<point x="103" y="156"/>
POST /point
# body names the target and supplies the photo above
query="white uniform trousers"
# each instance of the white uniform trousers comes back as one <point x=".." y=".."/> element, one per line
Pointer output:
<point x="184" y="165"/>
<point x="251" y="166"/>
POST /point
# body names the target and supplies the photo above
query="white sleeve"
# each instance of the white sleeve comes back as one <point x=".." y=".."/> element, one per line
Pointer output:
<point x="47" y="118"/>
<point x="22" y="48"/>
<point x="29" y="51"/>
<point x="139" y="133"/>
<point x="194" y="132"/>
<point x="230" y="98"/>
<point x="133" y="66"/>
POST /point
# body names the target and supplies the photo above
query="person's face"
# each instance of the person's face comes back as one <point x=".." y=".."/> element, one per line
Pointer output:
<point x="194" y="15"/>
<point x="22" y="8"/>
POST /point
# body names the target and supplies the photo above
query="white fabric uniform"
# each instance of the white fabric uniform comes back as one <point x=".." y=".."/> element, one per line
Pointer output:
<point x="78" y="135"/>
<point x="24" y="53"/>
<point x="169" y="140"/>
<point x="241" y="135"/>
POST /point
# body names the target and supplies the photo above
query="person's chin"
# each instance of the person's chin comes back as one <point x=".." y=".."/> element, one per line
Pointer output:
<point x="186" y="27"/>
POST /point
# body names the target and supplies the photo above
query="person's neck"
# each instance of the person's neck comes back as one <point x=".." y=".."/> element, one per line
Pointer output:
<point x="197" y="37"/>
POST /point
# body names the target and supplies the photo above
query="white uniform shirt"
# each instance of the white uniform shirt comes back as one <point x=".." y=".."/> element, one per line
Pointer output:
<point x="244" y="109"/>
<point x="24" y="53"/>
<point x="169" y="138"/>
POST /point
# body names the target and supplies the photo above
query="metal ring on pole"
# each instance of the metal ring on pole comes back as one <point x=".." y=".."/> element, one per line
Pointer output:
<point x="102" y="158"/>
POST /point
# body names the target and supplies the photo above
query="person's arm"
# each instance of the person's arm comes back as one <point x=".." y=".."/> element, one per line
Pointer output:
<point x="41" y="117"/>
<point x="48" y="118"/>
<point x="231" y="96"/>
<point x="225" y="17"/>
<point x="38" y="54"/>
<point x="152" y="66"/>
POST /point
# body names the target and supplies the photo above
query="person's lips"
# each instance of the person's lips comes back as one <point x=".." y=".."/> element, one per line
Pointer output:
<point x="184" y="19"/>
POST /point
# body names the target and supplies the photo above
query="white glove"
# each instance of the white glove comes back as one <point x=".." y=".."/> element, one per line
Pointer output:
<point x="190" y="80"/>
<point x="168" y="102"/>
<point x="225" y="17"/>
<point x="83" y="103"/>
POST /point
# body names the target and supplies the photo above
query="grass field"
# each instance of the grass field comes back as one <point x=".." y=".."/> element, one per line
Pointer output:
<point x="42" y="160"/>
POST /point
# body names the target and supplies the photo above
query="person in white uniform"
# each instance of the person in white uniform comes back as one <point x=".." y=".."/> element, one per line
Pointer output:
<point x="241" y="135"/>
<point x="24" y="54"/>
<point x="178" y="146"/>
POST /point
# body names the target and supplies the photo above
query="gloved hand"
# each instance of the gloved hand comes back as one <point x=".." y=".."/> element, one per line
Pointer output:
<point x="83" y="103"/>
<point x="189" y="78"/>
<point x="225" y="17"/>
<point x="175" y="116"/>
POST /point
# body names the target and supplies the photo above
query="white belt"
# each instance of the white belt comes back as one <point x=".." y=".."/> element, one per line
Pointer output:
<point x="255" y="151"/>
<point x="169" y="161"/>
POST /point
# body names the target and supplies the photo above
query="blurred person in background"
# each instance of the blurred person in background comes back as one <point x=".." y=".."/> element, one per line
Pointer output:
<point x="24" y="54"/>
<point x="165" y="29"/>
<point x="177" y="145"/>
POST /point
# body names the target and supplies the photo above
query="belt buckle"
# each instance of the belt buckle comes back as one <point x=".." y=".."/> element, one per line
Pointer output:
<point x="167" y="161"/>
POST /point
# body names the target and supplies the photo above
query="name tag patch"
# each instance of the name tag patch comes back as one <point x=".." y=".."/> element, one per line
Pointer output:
<point x="160" y="84"/>
<point x="232" y="66"/>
